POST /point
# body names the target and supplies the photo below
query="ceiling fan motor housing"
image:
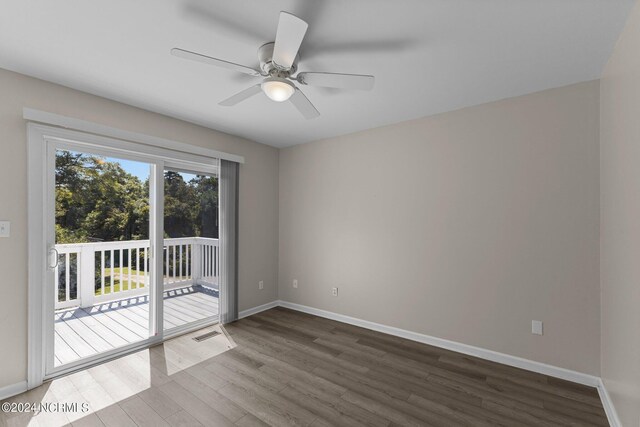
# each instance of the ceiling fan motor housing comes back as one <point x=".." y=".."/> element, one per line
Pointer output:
<point x="268" y="67"/>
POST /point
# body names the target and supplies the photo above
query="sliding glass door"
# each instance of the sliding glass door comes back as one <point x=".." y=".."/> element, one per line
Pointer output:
<point x="132" y="244"/>
<point x="191" y="288"/>
<point x="100" y="254"/>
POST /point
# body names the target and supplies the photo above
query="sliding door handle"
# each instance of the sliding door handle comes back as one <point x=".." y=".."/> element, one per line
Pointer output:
<point x="57" y="258"/>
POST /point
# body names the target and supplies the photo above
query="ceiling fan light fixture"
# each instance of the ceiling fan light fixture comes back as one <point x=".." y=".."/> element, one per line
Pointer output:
<point x="278" y="89"/>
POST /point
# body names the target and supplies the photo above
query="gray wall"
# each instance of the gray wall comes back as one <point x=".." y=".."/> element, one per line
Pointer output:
<point x="464" y="226"/>
<point x="620" y="222"/>
<point x="258" y="198"/>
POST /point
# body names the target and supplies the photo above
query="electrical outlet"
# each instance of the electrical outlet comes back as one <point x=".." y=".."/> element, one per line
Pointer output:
<point x="295" y="283"/>
<point x="536" y="327"/>
<point x="5" y="229"/>
<point x="334" y="292"/>
<point x="261" y="284"/>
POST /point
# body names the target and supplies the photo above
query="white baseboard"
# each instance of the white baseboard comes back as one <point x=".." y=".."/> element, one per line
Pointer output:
<point x="609" y="409"/>
<point x="258" y="309"/>
<point x="13" y="389"/>
<point x="494" y="356"/>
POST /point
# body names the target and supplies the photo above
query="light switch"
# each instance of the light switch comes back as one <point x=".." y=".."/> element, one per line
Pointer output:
<point x="536" y="327"/>
<point x="5" y="229"/>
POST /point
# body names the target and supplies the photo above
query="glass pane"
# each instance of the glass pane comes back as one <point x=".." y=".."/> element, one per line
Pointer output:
<point x="102" y="238"/>
<point x="190" y="248"/>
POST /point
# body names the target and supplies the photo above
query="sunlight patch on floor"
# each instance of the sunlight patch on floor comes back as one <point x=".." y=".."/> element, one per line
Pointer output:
<point x="125" y="380"/>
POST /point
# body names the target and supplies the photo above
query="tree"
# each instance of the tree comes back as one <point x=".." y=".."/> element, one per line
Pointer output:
<point x="97" y="200"/>
<point x="180" y="209"/>
<point x="120" y="201"/>
<point x="73" y="175"/>
<point x="206" y="189"/>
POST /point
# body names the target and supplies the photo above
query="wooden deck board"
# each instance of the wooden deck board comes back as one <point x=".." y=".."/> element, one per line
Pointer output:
<point x="195" y="308"/>
<point x="199" y="297"/>
<point x="95" y="325"/>
<point x="83" y="332"/>
<point x="74" y="340"/>
<point x="94" y="340"/>
<point x="106" y="322"/>
<point x="65" y="353"/>
<point x="118" y="316"/>
<point x="169" y="319"/>
<point x="179" y="311"/>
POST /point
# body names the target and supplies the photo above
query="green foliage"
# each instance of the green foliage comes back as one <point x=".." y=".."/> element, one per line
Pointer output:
<point x="97" y="200"/>
<point x="206" y="189"/>
<point x="190" y="208"/>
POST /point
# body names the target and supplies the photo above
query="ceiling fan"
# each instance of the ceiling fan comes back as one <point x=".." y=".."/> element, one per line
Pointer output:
<point x="278" y="64"/>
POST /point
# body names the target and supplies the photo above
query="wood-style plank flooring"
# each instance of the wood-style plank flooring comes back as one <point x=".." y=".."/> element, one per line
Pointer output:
<point x="83" y="332"/>
<point x="281" y="367"/>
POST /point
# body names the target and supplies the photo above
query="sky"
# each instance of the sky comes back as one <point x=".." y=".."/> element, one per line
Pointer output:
<point x="141" y="170"/>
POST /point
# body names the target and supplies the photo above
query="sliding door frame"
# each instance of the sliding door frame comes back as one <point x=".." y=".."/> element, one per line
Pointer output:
<point x="43" y="141"/>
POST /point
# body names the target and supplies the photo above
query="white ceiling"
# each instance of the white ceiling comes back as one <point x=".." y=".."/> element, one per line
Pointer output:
<point x="428" y="56"/>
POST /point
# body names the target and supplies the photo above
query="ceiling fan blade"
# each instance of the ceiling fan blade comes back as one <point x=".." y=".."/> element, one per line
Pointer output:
<point x="291" y="31"/>
<point x="181" y="53"/>
<point x="337" y="80"/>
<point x="302" y="103"/>
<point x="241" y="96"/>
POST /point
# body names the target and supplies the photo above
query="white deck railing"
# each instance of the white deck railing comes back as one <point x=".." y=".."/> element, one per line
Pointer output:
<point x="94" y="273"/>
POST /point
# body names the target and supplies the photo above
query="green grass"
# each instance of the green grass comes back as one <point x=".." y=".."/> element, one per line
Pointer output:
<point x="123" y="270"/>
<point x="136" y="282"/>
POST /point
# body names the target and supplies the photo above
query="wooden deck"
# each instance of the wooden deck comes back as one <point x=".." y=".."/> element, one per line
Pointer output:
<point x="83" y="332"/>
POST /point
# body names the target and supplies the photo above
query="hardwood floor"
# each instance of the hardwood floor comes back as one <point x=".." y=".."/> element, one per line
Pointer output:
<point x="281" y="367"/>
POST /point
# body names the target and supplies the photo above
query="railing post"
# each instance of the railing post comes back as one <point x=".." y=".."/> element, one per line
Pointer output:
<point x="86" y="291"/>
<point x="196" y="261"/>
